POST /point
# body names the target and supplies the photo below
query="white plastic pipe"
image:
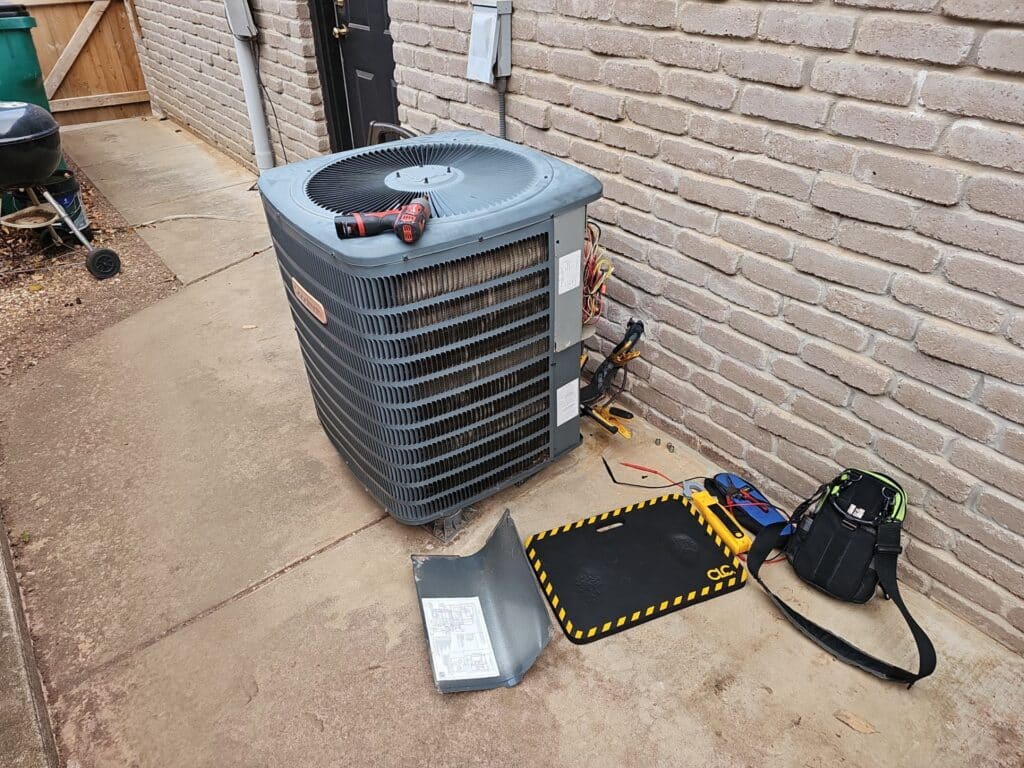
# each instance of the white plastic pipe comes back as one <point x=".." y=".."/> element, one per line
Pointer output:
<point x="254" y="104"/>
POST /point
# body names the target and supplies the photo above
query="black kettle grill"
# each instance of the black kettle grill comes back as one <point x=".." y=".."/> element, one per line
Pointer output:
<point x="29" y="154"/>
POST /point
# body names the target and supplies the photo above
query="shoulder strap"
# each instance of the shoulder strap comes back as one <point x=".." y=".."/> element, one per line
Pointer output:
<point x="886" y="550"/>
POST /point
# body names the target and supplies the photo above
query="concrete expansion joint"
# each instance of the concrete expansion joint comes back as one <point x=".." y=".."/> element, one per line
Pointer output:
<point x="254" y="587"/>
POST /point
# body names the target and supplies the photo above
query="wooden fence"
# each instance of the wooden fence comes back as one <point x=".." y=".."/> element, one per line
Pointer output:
<point x="89" y="60"/>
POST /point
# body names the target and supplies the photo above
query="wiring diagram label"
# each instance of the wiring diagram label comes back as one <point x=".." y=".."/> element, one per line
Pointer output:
<point x="460" y="645"/>
<point x="569" y="271"/>
<point x="568" y="402"/>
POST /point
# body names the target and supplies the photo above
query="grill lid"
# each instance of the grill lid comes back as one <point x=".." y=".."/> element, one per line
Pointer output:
<point x="22" y="122"/>
<point x="460" y="177"/>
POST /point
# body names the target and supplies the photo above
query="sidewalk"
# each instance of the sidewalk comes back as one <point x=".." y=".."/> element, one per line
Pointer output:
<point x="152" y="170"/>
<point x="209" y="586"/>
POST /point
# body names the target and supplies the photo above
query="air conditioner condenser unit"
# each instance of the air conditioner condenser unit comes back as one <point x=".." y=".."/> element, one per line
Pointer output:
<point x="448" y="369"/>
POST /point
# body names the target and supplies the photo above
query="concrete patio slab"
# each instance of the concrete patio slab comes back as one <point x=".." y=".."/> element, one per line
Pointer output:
<point x="137" y="178"/>
<point x="327" y="665"/>
<point x="165" y="465"/>
<point x="240" y="230"/>
<point x="94" y="143"/>
<point x="152" y="170"/>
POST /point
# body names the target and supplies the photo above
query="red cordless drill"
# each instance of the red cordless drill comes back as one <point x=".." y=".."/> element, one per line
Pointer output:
<point x="408" y="222"/>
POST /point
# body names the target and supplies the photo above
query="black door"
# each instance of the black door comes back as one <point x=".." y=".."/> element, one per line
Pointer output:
<point x="362" y="31"/>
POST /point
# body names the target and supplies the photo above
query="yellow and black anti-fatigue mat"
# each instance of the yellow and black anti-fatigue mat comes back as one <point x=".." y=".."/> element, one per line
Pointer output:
<point x="610" y="572"/>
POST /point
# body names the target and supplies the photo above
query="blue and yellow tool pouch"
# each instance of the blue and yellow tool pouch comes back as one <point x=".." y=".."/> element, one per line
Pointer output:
<point x="846" y="543"/>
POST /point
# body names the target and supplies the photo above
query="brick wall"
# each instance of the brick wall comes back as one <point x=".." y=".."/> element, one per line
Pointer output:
<point x="817" y="209"/>
<point x="191" y="70"/>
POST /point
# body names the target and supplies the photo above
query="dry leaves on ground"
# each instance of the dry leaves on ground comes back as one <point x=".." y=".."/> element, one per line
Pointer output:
<point x="48" y="300"/>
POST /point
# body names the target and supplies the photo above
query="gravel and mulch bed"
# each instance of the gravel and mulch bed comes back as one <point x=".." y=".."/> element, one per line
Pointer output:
<point x="48" y="300"/>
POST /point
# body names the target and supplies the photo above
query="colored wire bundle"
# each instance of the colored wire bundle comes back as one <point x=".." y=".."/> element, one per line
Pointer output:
<point x="597" y="268"/>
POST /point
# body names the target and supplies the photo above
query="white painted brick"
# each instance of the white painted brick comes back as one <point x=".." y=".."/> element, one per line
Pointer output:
<point x="988" y="234"/>
<point x="796" y="216"/>
<point x="632" y="76"/>
<point x="729" y="132"/>
<point x="936" y="297"/>
<point x="708" y="90"/>
<point x="720" y="20"/>
<point x="679" y="51"/>
<point x="663" y="115"/>
<point x="889" y="126"/>
<point x="696" y="156"/>
<point x="1003" y="196"/>
<point x="797" y="109"/>
<point x="919" y="39"/>
<point x="974" y="96"/>
<point x="985" y="10"/>
<point x="971" y="349"/>
<point x="854" y="77"/>
<point x="986" y="144"/>
<point x="764" y="66"/>
<point x="837" y="266"/>
<point x="1002" y="49"/>
<point x="817" y="153"/>
<point x="888" y="245"/>
<point x="924" y="180"/>
<point x="836" y="194"/>
<point x="781" y="278"/>
<point x="772" y="176"/>
<point x="716" y="193"/>
<point x="809" y="28"/>
<point x="756" y="237"/>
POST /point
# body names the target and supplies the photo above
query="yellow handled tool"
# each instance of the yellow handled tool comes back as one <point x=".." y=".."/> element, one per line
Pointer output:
<point x="721" y="521"/>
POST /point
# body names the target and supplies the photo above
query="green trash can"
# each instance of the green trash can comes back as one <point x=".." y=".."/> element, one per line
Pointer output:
<point x="21" y="79"/>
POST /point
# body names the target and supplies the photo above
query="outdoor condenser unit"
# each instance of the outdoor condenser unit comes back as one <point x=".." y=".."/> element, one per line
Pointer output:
<point x="445" y="370"/>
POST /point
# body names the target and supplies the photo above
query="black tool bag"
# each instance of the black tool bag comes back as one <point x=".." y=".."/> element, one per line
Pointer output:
<point x="845" y="541"/>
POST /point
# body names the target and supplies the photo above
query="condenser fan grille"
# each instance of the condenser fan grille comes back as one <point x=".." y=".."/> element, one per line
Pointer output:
<point x="458" y="177"/>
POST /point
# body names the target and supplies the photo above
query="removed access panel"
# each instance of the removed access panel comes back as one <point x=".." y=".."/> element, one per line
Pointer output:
<point x="486" y="622"/>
